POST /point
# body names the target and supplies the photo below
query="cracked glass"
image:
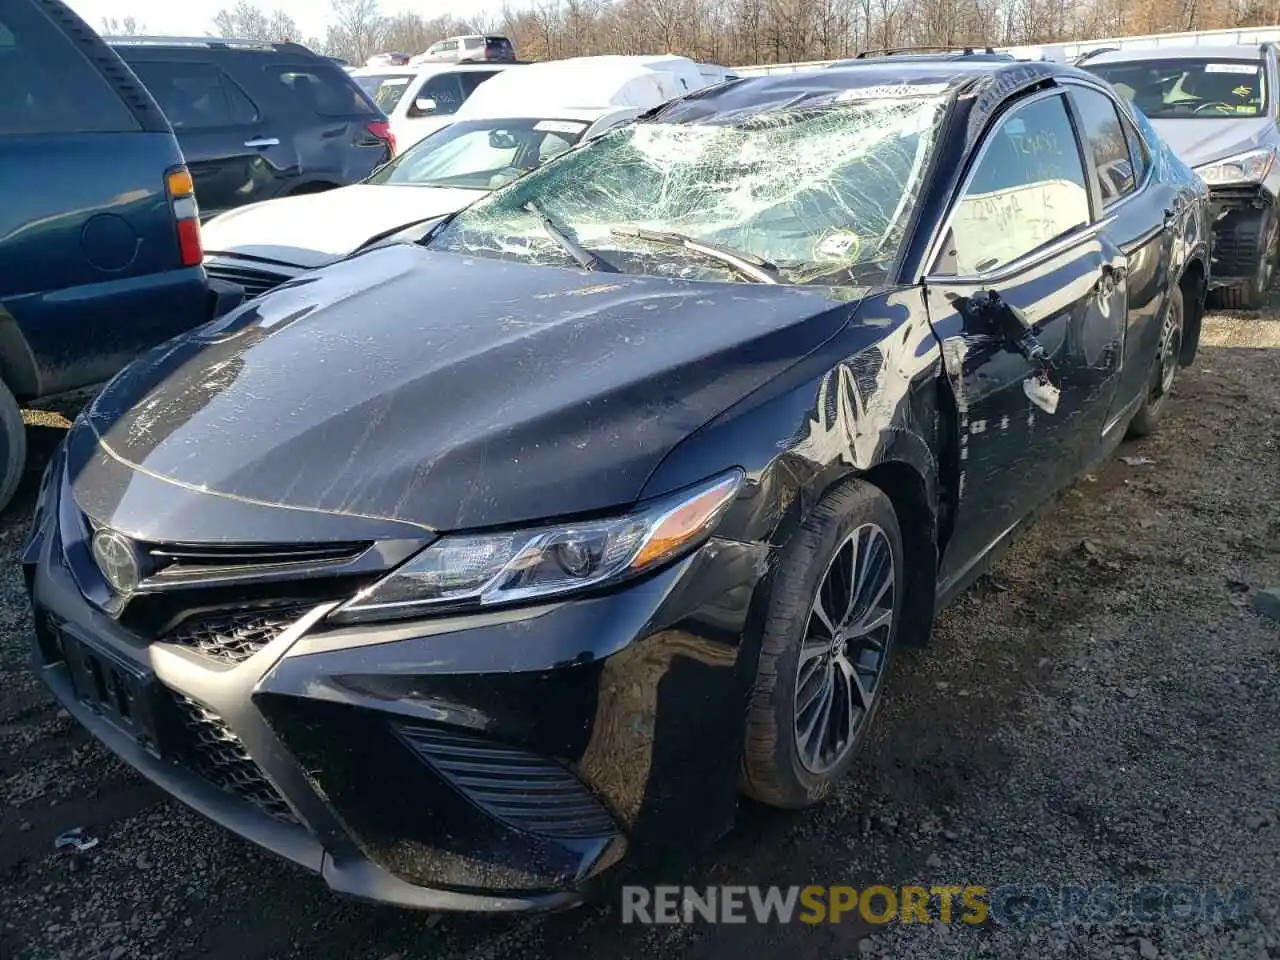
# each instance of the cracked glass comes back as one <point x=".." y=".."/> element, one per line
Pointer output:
<point x="822" y="193"/>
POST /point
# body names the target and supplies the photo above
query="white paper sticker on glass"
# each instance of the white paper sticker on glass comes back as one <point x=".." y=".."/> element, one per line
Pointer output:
<point x="1242" y="68"/>
<point x="559" y="126"/>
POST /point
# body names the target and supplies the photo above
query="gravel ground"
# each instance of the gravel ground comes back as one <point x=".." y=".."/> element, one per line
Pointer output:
<point x="1103" y="708"/>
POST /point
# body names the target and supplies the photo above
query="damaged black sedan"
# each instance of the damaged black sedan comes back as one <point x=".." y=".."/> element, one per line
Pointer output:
<point x="472" y="572"/>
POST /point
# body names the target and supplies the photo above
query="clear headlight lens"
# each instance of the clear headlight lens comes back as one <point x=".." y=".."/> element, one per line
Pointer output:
<point x="1251" y="167"/>
<point x="493" y="568"/>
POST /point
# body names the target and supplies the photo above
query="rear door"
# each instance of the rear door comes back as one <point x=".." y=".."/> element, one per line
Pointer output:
<point x="214" y="119"/>
<point x="1023" y="266"/>
<point x="1138" y="208"/>
<point x="332" y="143"/>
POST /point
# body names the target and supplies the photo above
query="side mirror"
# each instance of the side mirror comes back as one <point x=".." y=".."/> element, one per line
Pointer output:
<point x="425" y="105"/>
<point x="502" y="140"/>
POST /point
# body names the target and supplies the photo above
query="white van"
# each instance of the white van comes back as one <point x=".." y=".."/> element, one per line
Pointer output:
<point x="514" y="123"/>
<point x="421" y="100"/>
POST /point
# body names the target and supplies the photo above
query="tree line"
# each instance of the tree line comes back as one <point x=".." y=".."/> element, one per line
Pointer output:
<point x="737" y="32"/>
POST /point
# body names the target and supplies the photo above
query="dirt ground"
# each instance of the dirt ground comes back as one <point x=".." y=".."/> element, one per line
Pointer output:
<point x="1103" y="708"/>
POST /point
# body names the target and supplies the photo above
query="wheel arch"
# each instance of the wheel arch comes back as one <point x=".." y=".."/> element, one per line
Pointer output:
<point x="1193" y="281"/>
<point x="18" y="367"/>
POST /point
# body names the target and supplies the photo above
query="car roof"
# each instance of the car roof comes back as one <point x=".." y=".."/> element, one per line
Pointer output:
<point x="992" y="83"/>
<point x="427" y="69"/>
<point x="1186" y="52"/>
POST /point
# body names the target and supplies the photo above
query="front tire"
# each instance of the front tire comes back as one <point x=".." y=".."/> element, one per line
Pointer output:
<point x="832" y="621"/>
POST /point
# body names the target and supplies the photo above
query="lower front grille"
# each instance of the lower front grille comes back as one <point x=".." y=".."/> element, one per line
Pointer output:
<point x="255" y="282"/>
<point x="217" y="754"/>
<point x="233" y="637"/>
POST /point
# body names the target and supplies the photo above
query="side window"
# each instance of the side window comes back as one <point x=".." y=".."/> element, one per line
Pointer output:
<point x="328" y="93"/>
<point x="1137" y="149"/>
<point x="472" y="79"/>
<point x="445" y="90"/>
<point x="1027" y="190"/>
<point x="1106" y="142"/>
<point x="192" y="95"/>
<point x="47" y="85"/>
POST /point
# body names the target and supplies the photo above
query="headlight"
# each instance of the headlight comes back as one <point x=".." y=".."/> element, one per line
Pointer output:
<point x="1251" y="167"/>
<point x="495" y="568"/>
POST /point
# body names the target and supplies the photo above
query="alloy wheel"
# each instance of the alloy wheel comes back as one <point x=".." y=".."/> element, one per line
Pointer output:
<point x="845" y="649"/>
<point x="1170" y="346"/>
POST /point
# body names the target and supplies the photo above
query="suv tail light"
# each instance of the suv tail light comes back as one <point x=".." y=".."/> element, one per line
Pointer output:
<point x="182" y="201"/>
<point x="382" y="130"/>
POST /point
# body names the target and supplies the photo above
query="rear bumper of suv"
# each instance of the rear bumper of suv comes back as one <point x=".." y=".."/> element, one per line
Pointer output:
<point x="504" y="761"/>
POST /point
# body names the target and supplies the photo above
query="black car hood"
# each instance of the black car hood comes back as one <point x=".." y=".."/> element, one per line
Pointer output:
<point x="448" y="392"/>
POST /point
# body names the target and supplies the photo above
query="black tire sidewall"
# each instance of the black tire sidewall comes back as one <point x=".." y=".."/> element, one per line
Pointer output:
<point x="804" y="565"/>
<point x="13" y="436"/>
<point x="1150" y="412"/>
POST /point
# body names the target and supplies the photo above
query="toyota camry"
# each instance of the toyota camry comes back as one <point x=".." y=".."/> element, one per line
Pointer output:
<point x="476" y="602"/>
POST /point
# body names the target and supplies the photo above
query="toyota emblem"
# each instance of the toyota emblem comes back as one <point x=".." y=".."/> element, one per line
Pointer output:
<point x="116" y="557"/>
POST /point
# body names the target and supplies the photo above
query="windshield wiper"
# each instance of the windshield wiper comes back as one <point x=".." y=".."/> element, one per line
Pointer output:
<point x="585" y="258"/>
<point x="747" y="264"/>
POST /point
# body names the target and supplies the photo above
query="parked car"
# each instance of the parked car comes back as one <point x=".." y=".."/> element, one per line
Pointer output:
<point x="620" y="490"/>
<point x="100" y="253"/>
<point x="422" y="100"/>
<point x="468" y="49"/>
<point x="259" y="120"/>
<point x="512" y="124"/>
<point x="1217" y="107"/>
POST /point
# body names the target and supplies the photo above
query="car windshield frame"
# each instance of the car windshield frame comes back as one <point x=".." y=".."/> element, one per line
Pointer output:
<point x="413" y="167"/>
<point x="826" y="192"/>
<point x="385" y="81"/>
<point x="1168" y="67"/>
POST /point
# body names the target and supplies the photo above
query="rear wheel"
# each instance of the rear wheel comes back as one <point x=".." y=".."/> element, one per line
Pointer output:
<point x="1165" y="370"/>
<point x="13" y="445"/>
<point x="829" y="634"/>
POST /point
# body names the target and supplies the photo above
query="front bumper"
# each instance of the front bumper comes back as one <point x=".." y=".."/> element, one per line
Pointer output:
<point x="503" y="761"/>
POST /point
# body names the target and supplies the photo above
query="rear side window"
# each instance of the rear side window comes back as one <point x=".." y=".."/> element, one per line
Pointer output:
<point x="474" y="43"/>
<point x="499" y="47"/>
<point x="473" y="78"/>
<point x="1105" y="140"/>
<point x="195" y="96"/>
<point x="324" y="91"/>
<point x="47" y="86"/>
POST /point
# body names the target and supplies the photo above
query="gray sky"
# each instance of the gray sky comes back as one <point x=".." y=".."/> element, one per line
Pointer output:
<point x="195" y="17"/>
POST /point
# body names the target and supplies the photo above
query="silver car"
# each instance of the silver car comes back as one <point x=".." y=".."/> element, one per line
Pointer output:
<point x="1216" y="106"/>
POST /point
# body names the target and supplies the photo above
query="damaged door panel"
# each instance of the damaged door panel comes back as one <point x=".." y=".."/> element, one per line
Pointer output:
<point x="1029" y="301"/>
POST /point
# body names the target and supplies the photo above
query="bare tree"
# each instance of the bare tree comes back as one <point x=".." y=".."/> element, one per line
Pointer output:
<point x="359" y="30"/>
<point x="122" y="27"/>
<point x="248" y="20"/>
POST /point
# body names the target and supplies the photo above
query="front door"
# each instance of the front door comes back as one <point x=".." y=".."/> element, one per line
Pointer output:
<point x="1028" y="297"/>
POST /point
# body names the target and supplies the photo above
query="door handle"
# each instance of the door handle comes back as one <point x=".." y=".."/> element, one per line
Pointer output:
<point x="262" y="142"/>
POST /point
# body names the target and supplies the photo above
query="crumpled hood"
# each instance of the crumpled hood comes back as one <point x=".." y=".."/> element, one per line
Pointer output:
<point x="1204" y="140"/>
<point x="447" y="391"/>
<point x="315" y="229"/>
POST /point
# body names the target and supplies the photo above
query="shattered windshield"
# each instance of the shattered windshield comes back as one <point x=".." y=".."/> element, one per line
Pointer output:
<point x="822" y="195"/>
<point x="481" y="154"/>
